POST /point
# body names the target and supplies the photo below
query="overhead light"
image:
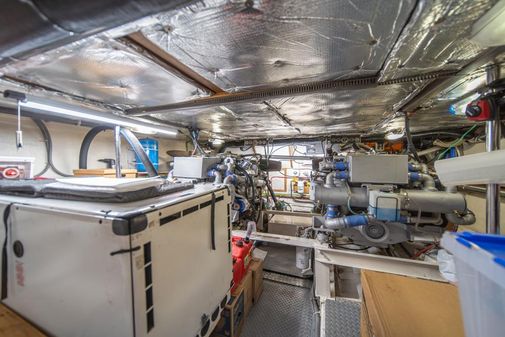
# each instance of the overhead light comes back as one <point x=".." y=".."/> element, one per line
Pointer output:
<point x="394" y="135"/>
<point x="143" y="130"/>
<point x="72" y="112"/>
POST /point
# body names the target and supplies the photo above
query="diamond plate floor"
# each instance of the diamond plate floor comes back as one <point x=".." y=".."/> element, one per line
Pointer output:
<point x="282" y="311"/>
<point x="342" y="317"/>
<point x="281" y="259"/>
<point x="286" y="279"/>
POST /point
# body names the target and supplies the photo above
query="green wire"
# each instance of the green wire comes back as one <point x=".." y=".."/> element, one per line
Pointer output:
<point x="456" y="141"/>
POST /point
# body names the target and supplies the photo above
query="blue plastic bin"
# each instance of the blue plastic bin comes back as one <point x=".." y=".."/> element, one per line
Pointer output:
<point x="151" y="149"/>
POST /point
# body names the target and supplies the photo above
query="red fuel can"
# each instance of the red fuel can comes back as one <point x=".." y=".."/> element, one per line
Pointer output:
<point x="241" y="253"/>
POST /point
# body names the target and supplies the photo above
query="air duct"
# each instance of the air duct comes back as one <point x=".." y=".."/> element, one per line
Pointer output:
<point x="39" y="25"/>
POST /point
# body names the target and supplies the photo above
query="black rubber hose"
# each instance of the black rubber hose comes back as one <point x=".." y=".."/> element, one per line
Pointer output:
<point x="47" y="141"/>
<point x="49" y="149"/>
<point x="272" y="194"/>
<point x="130" y="138"/>
<point x="410" y="144"/>
<point x="139" y="151"/>
<point x="251" y="181"/>
<point x="86" y="143"/>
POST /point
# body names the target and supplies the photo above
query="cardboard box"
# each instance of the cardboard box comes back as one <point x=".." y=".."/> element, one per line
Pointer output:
<point x="232" y="319"/>
<point x="257" y="278"/>
<point x="257" y="294"/>
<point x="399" y="306"/>
<point x="246" y="286"/>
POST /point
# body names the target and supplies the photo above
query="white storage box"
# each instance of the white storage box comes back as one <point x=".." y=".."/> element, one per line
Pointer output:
<point x="16" y="167"/>
<point x="480" y="270"/>
<point x="480" y="168"/>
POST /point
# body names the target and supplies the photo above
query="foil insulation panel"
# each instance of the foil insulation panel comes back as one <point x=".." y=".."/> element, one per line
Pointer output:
<point x="438" y="37"/>
<point x="425" y="120"/>
<point x="340" y="112"/>
<point x="106" y="71"/>
<point x="246" y="44"/>
<point x="462" y="90"/>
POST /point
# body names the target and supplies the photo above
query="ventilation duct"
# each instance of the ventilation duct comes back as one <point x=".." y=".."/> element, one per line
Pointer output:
<point x="39" y="25"/>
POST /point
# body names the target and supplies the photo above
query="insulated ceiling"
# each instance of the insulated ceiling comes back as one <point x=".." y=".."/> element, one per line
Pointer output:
<point x="104" y="70"/>
<point x="311" y="114"/>
<point x="243" y="46"/>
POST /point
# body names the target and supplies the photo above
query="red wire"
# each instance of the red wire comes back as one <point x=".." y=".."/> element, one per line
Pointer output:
<point x="423" y="251"/>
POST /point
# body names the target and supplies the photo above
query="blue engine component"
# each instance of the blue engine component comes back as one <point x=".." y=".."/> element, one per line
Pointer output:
<point x="356" y="220"/>
<point x="331" y="212"/>
<point x="340" y="165"/>
<point x="239" y="205"/>
<point x="385" y="206"/>
<point x="342" y="175"/>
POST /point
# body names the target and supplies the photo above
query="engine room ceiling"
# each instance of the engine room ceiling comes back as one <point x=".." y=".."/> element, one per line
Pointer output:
<point x="278" y="42"/>
<point x="224" y="47"/>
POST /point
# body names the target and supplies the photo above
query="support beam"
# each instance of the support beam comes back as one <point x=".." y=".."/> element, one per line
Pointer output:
<point x="117" y="148"/>
<point x="261" y="95"/>
<point x="173" y="65"/>
<point x="385" y="264"/>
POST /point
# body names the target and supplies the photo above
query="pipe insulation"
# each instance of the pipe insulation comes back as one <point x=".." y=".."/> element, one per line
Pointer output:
<point x="39" y="25"/>
<point x="340" y="196"/>
<point x="425" y="179"/>
<point x="461" y="220"/>
<point x="432" y="201"/>
<point x="411" y="200"/>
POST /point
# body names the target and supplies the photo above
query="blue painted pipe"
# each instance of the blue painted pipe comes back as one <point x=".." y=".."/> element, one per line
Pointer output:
<point x="340" y="165"/>
<point x="347" y="221"/>
<point x="342" y="175"/>
<point x="331" y="212"/>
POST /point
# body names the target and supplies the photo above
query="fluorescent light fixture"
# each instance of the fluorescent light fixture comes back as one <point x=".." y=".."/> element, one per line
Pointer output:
<point x="394" y="135"/>
<point x="94" y="116"/>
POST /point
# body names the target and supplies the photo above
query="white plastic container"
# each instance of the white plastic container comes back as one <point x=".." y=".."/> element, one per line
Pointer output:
<point x="16" y="167"/>
<point x="480" y="270"/>
<point x="480" y="168"/>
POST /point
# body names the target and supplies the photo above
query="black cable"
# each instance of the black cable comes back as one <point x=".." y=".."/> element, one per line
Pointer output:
<point x="46" y="136"/>
<point x="5" y="278"/>
<point x="410" y="144"/>
<point x="49" y="149"/>
<point x="272" y="193"/>
<point x="251" y="181"/>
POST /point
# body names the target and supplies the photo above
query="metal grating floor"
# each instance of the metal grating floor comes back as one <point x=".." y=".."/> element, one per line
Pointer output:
<point x="342" y="317"/>
<point x="282" y="311"/>
<point x="281" y="259"/>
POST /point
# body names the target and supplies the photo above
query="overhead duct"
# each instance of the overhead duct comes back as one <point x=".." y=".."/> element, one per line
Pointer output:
<point x="39" y="25"/>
